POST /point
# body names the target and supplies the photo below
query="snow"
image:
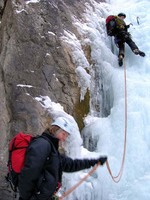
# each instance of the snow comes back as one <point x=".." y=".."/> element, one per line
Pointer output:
<point x="32" y="1"/>
<point x="73" y="43"/>
<point x="108" y="131"/>
<point x="56" y="110"/>
<point x="51" y="33"/>
<point x="83" y="80"/>
<point x="20" y="11"/>
<point x="21" y="85"/>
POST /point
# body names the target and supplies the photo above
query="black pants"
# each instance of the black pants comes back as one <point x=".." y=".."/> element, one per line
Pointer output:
<point x="121" y="39"/>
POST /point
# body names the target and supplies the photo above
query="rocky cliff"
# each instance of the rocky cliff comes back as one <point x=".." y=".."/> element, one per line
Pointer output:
<point x="34" y="61"/>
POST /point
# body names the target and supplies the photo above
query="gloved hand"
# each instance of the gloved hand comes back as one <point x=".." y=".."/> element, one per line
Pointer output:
<point x="102" y="160"/>
<point x="55" y="197"/>
<point x="128" y="26"/>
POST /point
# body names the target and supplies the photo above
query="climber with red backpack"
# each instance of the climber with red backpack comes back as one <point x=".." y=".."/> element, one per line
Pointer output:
<point x="39" y="173"/>
<point x="115" y="26"/>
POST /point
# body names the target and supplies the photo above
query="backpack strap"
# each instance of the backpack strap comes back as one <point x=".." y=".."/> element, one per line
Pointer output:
<point x="120" y="24"/>
<point x="44" y="137"/>
<point x="9" y="180"/>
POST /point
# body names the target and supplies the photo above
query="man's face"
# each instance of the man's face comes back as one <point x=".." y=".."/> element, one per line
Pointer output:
<point x="122" y="17"/>
<point x="62" y="135"/>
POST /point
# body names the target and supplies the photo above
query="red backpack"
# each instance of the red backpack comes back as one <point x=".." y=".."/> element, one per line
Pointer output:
<point x="17" y="151"/>
<point x="110" y="25"/>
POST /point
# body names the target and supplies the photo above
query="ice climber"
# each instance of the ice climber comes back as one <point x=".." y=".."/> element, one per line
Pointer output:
<point x="116" y="27"/>
<point x="41" y="175"/>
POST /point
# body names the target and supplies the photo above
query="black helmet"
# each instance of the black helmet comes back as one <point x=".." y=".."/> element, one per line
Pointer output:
<point x="122" y="14"/>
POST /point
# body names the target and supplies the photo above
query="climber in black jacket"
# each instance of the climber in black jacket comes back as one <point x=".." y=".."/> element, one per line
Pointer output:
<point x="116" y="26"/>
<point x="41" y="176"/>
<point x="122" y="35"/>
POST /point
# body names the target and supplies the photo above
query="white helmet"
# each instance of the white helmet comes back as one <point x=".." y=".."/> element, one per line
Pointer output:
<point x="64" y="124"/>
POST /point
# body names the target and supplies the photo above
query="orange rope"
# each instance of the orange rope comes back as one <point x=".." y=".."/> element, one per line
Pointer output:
<point x="118" y="177"/>
<point x="79" y="183"/>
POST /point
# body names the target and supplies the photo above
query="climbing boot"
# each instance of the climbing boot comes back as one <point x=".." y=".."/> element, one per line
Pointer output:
<point x="138" y="52"/>
<point x="120" y="60"/>
<point x="141" y="53"/>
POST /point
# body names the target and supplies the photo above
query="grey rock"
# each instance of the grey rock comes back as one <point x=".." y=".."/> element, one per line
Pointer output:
<point x="32" y="54"/>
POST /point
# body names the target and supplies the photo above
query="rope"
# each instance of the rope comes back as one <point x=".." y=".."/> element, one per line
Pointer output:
<point x="79" y="183"/>
<point x="117" y="178"/>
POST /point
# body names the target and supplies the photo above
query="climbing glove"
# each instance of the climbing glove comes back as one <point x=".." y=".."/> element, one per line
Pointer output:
<point x="55" y="197"/>
<point x="102" y="160"/>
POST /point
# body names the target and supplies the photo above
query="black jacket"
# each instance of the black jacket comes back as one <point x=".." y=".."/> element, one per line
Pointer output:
<point x="44" y="166"/>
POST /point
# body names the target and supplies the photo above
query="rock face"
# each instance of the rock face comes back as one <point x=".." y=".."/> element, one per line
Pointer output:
<point x="35" y="62"/>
